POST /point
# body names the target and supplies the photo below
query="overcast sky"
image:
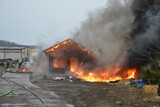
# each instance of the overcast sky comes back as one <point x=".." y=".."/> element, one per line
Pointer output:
<point x="29" y="21"/>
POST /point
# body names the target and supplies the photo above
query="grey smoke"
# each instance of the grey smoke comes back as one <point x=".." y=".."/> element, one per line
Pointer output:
<point x="125" y="31"/>
<point x="40" y="62"/>
<point x="145" y="34"/>
<point x="107" y="31"/>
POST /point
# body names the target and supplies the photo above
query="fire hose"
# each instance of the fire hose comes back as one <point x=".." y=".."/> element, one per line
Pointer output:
<point x="9" y="91"/>
<point x="43" y="102"/>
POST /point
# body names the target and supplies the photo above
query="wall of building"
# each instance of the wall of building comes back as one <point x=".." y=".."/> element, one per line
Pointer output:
<point x="12" y="55"/>
<point x="16" y="53"/>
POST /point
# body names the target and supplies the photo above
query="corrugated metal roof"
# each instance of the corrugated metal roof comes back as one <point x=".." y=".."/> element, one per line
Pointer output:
<point x="12" y="48"/>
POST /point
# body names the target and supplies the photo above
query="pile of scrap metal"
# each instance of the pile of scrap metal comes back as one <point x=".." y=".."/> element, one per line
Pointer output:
<point x="67" y="78"/>
<point x="12" y="70"/>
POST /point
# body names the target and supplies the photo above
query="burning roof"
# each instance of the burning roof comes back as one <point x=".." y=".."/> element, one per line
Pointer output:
<point x="67" y="45"/>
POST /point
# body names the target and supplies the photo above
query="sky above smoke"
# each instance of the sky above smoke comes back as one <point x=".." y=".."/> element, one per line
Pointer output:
<point x="30" y="21"/>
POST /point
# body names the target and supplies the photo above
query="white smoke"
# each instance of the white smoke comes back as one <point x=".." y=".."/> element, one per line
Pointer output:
<point x="40" y="62"/>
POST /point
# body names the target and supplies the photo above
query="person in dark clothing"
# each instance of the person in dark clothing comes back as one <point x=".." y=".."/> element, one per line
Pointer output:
<point x="7" y="64"/>
<point x="19" y="64"/>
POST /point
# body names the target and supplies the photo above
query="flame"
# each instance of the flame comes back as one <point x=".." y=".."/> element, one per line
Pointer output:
<point x="52" y="49"/>
<point x="23" y="70"/>
<point x="74" y="63"/>
<point x="60" y="62"/>
<point x="72" y="69"/>
<point x="55" y="64"/>
<point x="105" y="75"/>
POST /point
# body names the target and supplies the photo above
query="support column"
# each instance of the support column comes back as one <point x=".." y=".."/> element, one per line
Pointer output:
<point x="21" y="53"/>
<point x="4" y="54"/>
<point x="28" y="52"/>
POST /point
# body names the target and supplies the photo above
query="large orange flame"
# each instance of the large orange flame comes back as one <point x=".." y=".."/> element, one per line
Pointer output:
<point x="105" y="75"/>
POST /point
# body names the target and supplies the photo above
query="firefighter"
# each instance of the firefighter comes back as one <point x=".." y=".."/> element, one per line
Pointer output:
<point x="7" y="64"/>
<point x="19" y="64"/>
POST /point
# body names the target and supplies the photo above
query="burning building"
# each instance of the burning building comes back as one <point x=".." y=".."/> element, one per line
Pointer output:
<point x="81" y="62"/>
<point x="128" y="39"/>
<point x="68" y="56"/>
<point x="128" y="34"/>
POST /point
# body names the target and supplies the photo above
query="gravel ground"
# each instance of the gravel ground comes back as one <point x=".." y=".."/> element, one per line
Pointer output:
<point x="91" y="94"/>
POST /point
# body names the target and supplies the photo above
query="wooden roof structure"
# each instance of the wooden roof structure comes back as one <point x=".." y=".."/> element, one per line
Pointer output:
<point x="68" y="48"/>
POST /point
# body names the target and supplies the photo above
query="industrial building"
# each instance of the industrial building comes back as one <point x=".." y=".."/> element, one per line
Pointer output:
<point x="16" y="52"/>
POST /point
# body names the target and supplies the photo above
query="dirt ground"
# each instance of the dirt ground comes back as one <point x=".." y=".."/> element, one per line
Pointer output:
<point x="91" y="94"/>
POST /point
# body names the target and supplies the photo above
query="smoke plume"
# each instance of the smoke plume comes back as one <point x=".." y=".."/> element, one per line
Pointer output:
<point x="107" y="31"/>
<point x="125" y="30"/>
<point x="145" y="33"/>
<point x="40" y="62"/>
